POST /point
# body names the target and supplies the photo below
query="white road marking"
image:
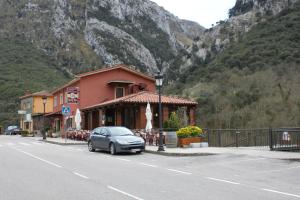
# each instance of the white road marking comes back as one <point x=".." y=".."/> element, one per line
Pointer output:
<point x="41" y="159"/>
<point x="123" y="159"/>
<point x="79" y="149"/>
<point x="125" y="193"/>
<point x="182" y="172"/>
<point x="25" y="144"/>
<point x="284" y="193"/>
<point x="145" y="164"/>
<point x="1" y="145"/>
<point x="80" y="175"/>
<point x="10" y="144"/>
<point x="221" y="180"/>
<point x="37" y="143"/>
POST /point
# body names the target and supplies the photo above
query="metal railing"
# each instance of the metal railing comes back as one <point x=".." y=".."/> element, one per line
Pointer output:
<point x="238" y="137"/>
<point x="285" y="139"/>
<point x="279" y="139"/>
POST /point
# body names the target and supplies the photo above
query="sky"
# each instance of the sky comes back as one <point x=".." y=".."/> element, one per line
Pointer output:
<point x="205" y="12"/>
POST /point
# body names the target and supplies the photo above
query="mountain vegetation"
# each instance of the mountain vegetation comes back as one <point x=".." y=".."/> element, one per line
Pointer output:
<point x="254" y="82"/>
<point x="244" y="72"/>
<point x="24" y="68"/>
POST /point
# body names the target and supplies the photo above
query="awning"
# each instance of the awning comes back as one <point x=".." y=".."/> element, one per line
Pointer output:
<point x="53" y="114"/>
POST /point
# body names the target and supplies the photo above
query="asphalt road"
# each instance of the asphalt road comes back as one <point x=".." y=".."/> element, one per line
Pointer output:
<point x="33" y="170"/>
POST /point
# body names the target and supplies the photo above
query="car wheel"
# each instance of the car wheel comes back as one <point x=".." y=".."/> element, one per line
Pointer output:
<point x="90" y="146"/>
<point x="112" y="149"/>
<point x="138" y="152"/>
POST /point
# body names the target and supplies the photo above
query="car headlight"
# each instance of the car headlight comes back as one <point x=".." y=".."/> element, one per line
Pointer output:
<point x="142" y="141"/>
<point x="121" y="141"/>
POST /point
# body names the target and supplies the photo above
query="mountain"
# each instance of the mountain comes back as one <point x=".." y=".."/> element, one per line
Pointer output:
<point x="253" y="81"/>
<point x="70" y="36"/>
<point x="51" y="40"/>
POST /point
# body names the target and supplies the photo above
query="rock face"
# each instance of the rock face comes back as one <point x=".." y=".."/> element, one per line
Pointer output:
<point x="83" y="33"/>
<point x="243" y="16"/>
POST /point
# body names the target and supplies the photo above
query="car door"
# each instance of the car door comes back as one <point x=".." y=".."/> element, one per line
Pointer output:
<point x="96" y="137"/>
<point x="105" y="138"/>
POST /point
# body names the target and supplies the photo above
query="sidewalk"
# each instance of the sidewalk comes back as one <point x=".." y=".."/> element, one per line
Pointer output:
<point x="250" y="151"/>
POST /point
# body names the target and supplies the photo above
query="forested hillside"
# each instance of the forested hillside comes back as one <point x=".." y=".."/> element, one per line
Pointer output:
<point x="23" y="67"/>
<point x="255" y="81"/>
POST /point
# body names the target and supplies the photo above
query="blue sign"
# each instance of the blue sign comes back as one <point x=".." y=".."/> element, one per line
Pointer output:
<point x="66" y="110"/>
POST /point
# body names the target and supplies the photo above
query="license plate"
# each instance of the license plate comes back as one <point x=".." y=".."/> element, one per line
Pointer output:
<point x="135" y="150"/>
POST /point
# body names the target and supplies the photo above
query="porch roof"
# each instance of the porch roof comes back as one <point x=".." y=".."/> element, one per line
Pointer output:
<point x="143" y="98"/>
<point x="53" y="113"/>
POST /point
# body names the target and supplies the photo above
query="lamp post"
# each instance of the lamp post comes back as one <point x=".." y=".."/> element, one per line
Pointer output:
<point x="159" y="81"/>
<point x="44" y="98"/>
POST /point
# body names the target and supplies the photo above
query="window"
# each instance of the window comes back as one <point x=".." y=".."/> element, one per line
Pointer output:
<point x="119" y="92"/>
<point x="61" y="98"/>
<point x="55" y="101"/>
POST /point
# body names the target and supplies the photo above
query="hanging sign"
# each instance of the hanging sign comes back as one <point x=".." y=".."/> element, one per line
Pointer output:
<point x="72" y="94"/>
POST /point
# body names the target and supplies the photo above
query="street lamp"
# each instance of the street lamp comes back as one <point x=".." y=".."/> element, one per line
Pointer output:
<point x="44" y="98"/>
<point x="159" y="82"/>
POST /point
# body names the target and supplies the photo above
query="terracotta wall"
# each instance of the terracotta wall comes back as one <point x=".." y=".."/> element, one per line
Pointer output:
<point x="59" y="105"/>
<point x="94" y="88"/>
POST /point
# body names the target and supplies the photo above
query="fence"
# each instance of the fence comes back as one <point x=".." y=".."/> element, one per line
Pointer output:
<point x="275" y="139"/>
<point x="287" y="139"/>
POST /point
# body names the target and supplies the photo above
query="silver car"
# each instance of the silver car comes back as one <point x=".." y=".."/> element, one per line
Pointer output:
<point x="115" y="140"/>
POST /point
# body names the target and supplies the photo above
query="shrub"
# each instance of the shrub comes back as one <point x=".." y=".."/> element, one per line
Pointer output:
<point x="189" y="131"/>
<point x="24" y="133"/>
<point x="173" y="122"/>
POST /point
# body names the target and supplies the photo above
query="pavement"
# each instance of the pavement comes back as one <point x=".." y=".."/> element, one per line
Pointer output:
<point x="32" y="170"/>
<point x="262" y="152"/>
<point x="62" y="141"/>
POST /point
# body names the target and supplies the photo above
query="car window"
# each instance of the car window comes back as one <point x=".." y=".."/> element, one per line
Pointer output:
<point x="120" y="131"/>
<point x="104" y="131"/>
<point x="97" y="131"/>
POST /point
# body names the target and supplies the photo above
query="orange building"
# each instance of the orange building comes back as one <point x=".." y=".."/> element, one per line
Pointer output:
<point x="32" y="110"/>
<point x="113" y="96"/>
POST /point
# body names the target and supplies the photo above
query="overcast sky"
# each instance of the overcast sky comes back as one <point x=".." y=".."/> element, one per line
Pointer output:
<point x="205" y="12"/>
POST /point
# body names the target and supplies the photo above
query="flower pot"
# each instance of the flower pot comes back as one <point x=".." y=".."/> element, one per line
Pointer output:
<point x="187" y="141"/>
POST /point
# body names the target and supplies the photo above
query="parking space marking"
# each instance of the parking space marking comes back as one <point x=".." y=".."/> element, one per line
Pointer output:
<point x="10" y="144"/>
<point x="41" y="159"/>
<point x="221" y="180"/>
<point x="80" y="175"/>
<point x="179" y="171"/>
<point x="24" y="144"/>
<point x="125" y="193"/>
<point x="145" y="164"/>
<point x="123" y="159"/>
<point x="283" y="193"/>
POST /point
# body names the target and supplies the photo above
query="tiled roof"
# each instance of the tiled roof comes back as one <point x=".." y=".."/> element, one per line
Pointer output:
<point x="37" y="94"/>
<point x="66" y="85"/>
<point x="144" y="97"/>
<point x="120" y="66"/>
<point x="53" y="113"/>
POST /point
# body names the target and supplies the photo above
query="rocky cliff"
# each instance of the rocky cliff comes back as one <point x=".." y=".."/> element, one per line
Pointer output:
<point x="84" y="33"/>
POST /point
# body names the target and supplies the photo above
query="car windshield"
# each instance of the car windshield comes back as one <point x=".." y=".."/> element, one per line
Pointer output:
<point x="120" y="131"/>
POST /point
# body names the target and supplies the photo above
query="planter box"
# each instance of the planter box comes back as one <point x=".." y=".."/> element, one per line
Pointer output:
<point x="187" y="141"/>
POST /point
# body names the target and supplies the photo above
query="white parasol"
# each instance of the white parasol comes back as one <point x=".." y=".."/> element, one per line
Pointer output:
<point x="149" y="118"/>
<point x="78" y="119"/>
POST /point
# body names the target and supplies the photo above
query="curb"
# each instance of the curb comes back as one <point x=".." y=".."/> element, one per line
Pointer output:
<point x="179" y="154"/>
<point x="63" y="144"/>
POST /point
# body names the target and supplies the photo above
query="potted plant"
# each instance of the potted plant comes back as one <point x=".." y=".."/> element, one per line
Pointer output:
<point x="188" y="135"/>
<point x="170" y="127"/>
